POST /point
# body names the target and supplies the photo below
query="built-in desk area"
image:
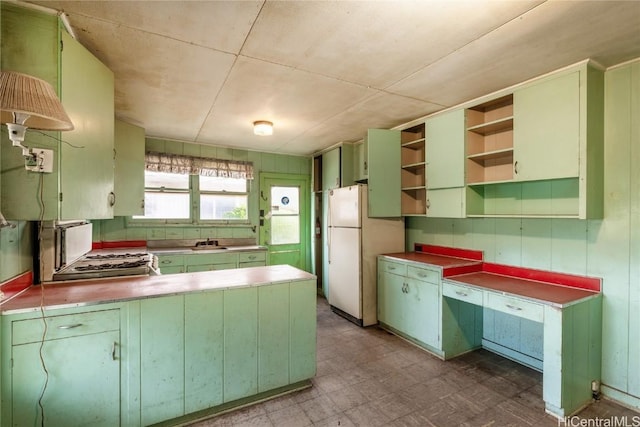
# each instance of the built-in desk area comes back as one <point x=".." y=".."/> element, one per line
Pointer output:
<point x="568" y="307"/>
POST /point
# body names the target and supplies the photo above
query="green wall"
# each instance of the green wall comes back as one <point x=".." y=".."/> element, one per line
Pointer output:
<point x="117" y="230"/>
<point x="607" y="248"/>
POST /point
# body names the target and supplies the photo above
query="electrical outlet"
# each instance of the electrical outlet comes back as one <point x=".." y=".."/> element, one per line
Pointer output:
<point x="39" y="160"/>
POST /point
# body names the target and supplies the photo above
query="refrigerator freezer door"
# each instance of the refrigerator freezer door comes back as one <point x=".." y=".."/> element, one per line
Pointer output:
<point x="344" y="207"/>
<point x="344" y="270"/>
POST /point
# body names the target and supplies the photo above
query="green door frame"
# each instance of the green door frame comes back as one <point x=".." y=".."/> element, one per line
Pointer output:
<point x="293" y="180"/>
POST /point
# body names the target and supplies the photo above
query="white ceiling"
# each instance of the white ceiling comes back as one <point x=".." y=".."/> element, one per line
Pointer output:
<point x="325" y="71"/>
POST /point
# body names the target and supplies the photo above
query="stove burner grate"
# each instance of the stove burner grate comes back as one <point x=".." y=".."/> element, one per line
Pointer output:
<point x="111" y="266"/>
<point x="116" y="256"/>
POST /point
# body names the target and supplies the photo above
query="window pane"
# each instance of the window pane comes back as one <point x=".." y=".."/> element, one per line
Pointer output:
<point x="285" y="230"/>
<point x="166" y="205"/>
<point x="285" y="201"/>
<point x="168" y="180"/>
<point x="216" y="183"/>
<point x="217" y="206"/>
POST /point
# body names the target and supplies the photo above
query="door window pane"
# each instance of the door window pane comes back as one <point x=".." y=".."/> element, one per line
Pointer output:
<point x="285" y="215"/>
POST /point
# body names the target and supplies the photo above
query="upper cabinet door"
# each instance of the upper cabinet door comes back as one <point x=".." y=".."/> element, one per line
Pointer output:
<point x="445" y="150"/>
<point x="87" y="158"/>
<point x="546" y="129"/>
<point x="383" y="164"/>
<point x="331" y="169"/>
<point x="129" y="169"/>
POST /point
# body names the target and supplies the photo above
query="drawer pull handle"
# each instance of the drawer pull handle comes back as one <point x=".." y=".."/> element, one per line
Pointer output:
<point x="513" y="307"/>
<point x="113" y="350"/>
<point x="165" y="261"/>
<point x="75" y="325"/>
<point x="252" y="257"/>
<point x="422" y="275"/>
<point x="391" y="268"/>
<point x="462" y="294"/>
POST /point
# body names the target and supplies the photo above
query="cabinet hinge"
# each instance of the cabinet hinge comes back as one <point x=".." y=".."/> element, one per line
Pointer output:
<point x="60" y="196"/>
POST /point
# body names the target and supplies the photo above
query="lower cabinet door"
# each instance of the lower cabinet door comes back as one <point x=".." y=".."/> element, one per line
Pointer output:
<point x="391" y="310"/>
<point x="273" y="336"/>
<point x="240" y="343"/>
<point x="203" y="350"/>
<point x="162" y="358"/>
<point x="83" y="387"/>
<point x="422" y="311"/>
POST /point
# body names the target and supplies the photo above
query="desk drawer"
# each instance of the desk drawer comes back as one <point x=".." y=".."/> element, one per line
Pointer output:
<point x="515" y="306"/>
<point x="462" y="293"/>
<point x="423" y="274"/>
<point x="393" y="267"/>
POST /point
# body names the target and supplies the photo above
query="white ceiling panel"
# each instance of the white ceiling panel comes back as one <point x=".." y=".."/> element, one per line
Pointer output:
<point x="549" y="37"/>
<point x="291" y="99"/>
<point x="373" y="43"/>
<point x="325" y="71"/>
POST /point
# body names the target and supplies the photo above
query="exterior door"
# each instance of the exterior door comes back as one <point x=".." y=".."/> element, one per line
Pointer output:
<point x="284" y="219"/>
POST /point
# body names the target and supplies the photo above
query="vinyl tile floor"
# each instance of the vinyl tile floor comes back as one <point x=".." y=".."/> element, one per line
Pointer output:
<point x="369" y="377"/>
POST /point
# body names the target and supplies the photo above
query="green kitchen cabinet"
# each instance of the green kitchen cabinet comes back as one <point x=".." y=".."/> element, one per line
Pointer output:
<point x="382" y="153"/>
<point x="82" y="351"/>
<point x="211" y="261"/>
<point x="81" y="185"/>
<point x="445" y="144"/>
<point x="538" y="151"/>
<point x="409" y="301"/>
<point x="252" y="259"/>
<point x="273" y="336"/>
<point x="129" y="168"/>
<point x="331" y="166"/>
<point x="203" y="350"/>
<point x="171" y="264"/>
<point x="240" y="343"/>
<point x="391" y="277"/>
<point x="302" y="329"/>
<point x="359" y="162"/>
<point x="162" y="376"/>
<point x="546" y="129"/>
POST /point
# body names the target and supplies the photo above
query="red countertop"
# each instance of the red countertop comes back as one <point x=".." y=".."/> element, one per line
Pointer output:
<point x="543" y="292"/>
<point x="76" y="293"/>
<point x="466" y="267"/>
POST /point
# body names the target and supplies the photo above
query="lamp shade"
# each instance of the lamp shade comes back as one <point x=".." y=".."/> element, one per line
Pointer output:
<point x="34" y="97"/>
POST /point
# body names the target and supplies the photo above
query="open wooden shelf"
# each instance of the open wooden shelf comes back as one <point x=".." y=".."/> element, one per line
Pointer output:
<point x="413" y="176"/>
<point x="489" y="141"/>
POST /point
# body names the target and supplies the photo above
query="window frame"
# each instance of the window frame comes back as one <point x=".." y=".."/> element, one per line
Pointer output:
<point x="194" y="208"/>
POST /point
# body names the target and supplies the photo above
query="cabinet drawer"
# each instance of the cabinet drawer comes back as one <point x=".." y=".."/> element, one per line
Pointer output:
<point x="170" y="260"/>
<point x="252" y="264"/>
<point x="252" y="256"/>
<point x="423" y="274"/>
<point x="216" y="258"/>
<point x="393" y="267"/>
<point x="69" y="325"/>
<point x="515" y="306"/>
<point x="462" y="293"/>
<point x="172" y="269"/>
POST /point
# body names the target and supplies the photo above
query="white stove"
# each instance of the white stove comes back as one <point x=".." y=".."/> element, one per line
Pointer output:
<point x="66" y="255"/>
<point x="100" y="265"/>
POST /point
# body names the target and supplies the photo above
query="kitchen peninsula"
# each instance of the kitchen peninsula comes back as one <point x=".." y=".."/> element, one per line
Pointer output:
<point x="161" y="349"/>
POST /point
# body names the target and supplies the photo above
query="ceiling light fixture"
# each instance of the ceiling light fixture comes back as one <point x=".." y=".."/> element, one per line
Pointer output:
<point x="27" y="101"/>
<point x="263" y="128"/>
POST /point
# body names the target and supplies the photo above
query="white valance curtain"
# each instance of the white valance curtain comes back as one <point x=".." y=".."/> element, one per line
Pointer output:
<point x="188" y="165"/>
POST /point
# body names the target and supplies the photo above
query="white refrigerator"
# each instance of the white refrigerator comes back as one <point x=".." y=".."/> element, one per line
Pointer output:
<point x="354" y="242"/>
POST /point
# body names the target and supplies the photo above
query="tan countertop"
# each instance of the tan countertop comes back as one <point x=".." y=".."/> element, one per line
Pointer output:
<point x="76" y="293"/>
